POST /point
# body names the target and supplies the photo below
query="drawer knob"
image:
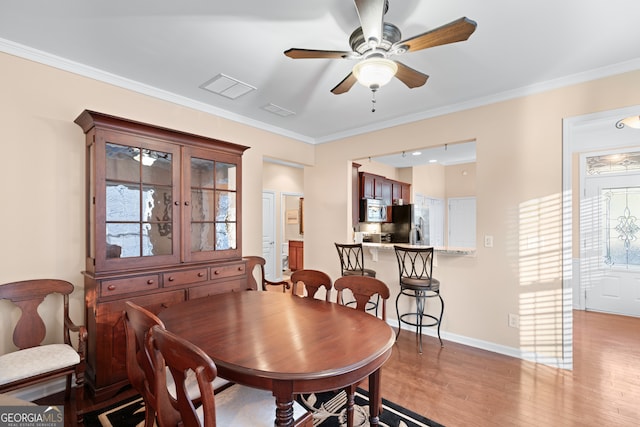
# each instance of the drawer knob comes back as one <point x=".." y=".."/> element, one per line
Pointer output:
<point x="216" y="272"/>
<point x="111" y="287"/>
<point x="240" y="268"/>
<point x="201" y="274"/>
<point x="171" y="278"/>
<point x="150" y="282"/>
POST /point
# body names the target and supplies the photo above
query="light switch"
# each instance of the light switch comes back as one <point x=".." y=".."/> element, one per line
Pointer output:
<point x="488" y="241"/>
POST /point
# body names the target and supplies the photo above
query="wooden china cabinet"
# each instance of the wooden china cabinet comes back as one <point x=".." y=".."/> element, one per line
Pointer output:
<point x="163" y="224"/>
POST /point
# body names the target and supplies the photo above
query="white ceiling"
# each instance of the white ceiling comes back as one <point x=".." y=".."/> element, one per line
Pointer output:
<point x="169" y="48"/>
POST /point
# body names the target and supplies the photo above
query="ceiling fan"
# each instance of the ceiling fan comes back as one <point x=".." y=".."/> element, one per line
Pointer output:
<point x="375" y="41"/>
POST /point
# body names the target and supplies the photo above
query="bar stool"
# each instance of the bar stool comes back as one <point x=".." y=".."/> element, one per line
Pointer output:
<point x="352" y="264"/>
<point x="415" y="266"/>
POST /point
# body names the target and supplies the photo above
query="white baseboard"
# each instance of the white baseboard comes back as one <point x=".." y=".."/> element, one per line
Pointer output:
<point x="486" y="345"/>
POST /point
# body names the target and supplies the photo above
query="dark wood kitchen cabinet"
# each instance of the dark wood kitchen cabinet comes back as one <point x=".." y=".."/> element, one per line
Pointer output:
<point x="374" y="186"/>
<point x="402" y="190"/>
<point x="296" y="255"/>
<point x="163" y="224"/>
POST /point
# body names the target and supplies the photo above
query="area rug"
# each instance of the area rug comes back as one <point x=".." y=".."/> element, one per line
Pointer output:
<point x="328" y="411"/>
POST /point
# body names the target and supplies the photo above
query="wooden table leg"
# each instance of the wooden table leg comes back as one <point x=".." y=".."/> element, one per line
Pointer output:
<point x="350" y="390"/>
<point x="375" y="399"/>
<point x="283" y="392"/>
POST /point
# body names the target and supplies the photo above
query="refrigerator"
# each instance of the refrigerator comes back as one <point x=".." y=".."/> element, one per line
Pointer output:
<point x="408" y="225"/>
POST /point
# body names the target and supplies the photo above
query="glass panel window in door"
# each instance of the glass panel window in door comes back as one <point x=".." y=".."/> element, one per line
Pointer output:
<point x="621" y="229"/>
<point x="138" y="202"/>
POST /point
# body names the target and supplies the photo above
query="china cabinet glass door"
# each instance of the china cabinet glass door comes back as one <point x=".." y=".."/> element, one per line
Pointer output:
<point x="141" y="203"/>
<point x="212" y="215"/>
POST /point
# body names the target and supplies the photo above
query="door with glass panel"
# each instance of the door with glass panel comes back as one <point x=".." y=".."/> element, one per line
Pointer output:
<point x="212" y="207"/>
<point x="610" y="260"/>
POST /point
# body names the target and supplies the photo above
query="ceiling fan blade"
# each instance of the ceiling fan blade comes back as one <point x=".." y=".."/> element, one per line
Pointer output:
<point x="346" y="84"/>
<point x="371" y="13"/>
<point x="311" y="53"/>
<point x="455" y="31"/>
<point x="409" y="76"/>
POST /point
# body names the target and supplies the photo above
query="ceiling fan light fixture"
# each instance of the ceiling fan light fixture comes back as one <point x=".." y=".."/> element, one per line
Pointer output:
<point x="632" y="122"/>
<point x="375" y="72"/>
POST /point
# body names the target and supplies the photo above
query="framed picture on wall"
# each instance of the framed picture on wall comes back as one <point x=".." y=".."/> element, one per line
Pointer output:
<point x="292" y="216"/>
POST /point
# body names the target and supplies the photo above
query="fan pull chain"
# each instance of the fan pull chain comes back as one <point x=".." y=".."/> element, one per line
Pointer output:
<point x="373" y="100"/>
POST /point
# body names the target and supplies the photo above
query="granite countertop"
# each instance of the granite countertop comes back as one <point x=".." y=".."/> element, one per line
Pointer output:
<point x="438" y="249"/>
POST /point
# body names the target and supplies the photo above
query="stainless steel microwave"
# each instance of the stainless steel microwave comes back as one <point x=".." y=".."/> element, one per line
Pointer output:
<point x="372" y="210"/>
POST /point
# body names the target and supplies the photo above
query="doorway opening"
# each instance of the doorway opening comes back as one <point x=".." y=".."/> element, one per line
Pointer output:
<point x="583" y="134"/>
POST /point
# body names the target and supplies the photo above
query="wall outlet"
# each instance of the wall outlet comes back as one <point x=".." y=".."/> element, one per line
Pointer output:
<point x="488" y="241"/>
<point x="514" y="320"/>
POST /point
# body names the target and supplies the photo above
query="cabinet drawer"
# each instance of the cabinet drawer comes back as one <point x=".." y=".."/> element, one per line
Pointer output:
<point x="176" y="278"/>
<point x="218" y="288"/>
<point x="129" y="284"/>
<point x="154" y="303"/>
<point x="230" y="270"/>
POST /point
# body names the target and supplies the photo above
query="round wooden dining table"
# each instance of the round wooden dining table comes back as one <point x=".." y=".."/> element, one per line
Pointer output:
<point x="286" y="344"/>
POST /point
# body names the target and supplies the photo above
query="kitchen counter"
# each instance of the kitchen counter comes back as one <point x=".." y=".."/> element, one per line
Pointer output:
<point x="440" y="250"/>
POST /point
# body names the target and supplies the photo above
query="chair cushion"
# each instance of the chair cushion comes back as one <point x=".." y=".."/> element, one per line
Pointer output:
<point x="193" y="390"/>
<point x="420" y="284"/>
<point x="32" y="361"/>
<point x="240" y="405"/>
<point x="366" y="272"/>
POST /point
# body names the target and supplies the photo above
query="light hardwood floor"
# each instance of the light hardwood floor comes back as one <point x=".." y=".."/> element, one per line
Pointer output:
<point x="464" y="386"/>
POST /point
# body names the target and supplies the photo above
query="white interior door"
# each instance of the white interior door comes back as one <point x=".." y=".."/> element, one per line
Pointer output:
<point x="610" y="258"/>
<point x="269" y="233"/>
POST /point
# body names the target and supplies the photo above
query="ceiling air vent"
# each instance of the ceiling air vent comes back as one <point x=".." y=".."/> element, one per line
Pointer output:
<point x="227" y="86"/>
<point x="283" y="112"/>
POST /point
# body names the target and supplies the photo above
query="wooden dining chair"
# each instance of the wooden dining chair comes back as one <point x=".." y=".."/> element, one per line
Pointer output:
<point x="35" y="362"/>
<point x="137" y="323"/>
<point x="265" y="285"/>
<point x="312" y="280"/>
<point x="352" y="264"/>
<point x="363" y="288"/>
<point x="182" y="357"/>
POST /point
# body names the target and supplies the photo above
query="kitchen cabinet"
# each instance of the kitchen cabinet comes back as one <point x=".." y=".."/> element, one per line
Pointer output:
<point x="374" y="186"/>
<point x="368" y="185"/>
<point x="386" y="192"/>
<point x="402" y="190"/>
<point x="296" y="255"/>
<point x="163" y="224"/>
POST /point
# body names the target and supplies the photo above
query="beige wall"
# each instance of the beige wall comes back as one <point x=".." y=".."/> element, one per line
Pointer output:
<point x="518" y="186"/>
<point x="518" y="189"/>
<point x="43" y="167"/>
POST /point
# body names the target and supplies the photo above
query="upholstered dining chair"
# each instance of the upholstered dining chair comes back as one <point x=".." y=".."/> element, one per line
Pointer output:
<point x="352" y="264"/>
<point x="35" y="362"/>
<point x="312" y="280"/>
<point x="265" y="285"/>
<point x="248" y="406"/>
<point x="137" y="323"/>
<point x="415" y="268"/>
